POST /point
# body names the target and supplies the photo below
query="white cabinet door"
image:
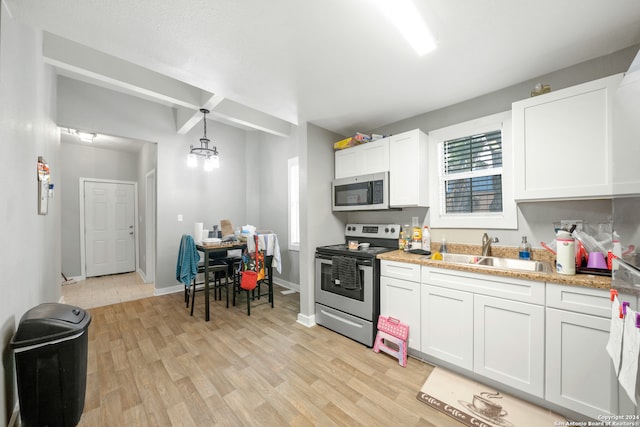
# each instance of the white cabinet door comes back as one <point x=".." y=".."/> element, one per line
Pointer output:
<point x="509" y="343"/>
<point x="579" y="374"/>
<point x="408" y="174"/>
<point x="375" y="156"/>
<point x="371" y="157"/>
<point x="401" y="299"/>
<point x="346" y="163"/>
<point x="447" y="325"/>
<point x="554" y="131"/>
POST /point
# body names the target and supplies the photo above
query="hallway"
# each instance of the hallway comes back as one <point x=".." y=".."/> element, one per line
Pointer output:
<point x="106" y="290"/>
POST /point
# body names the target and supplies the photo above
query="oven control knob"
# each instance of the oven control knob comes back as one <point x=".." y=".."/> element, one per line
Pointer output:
<point x="393" y="230"/>
<point x="386" y="229"/>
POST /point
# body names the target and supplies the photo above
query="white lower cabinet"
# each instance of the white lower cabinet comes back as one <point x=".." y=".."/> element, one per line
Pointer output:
<point x="400" y="296"/>
<point x="579" y="372"/>
<point x="447" y="325"/>
<point x="508" y="344"/>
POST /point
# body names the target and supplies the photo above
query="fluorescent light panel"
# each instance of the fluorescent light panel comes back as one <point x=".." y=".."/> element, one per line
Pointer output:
<point x="404" y="15"/>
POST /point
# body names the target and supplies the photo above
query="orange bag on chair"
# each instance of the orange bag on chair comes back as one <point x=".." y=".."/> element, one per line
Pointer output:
<point x="249" y="280"/>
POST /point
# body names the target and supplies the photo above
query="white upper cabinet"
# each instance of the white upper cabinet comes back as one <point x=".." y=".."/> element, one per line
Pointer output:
<point x="566" y="144"/>
<point x="363" y="159"/>
<point x="626" y="173"/>
<point x="408" y="174"/>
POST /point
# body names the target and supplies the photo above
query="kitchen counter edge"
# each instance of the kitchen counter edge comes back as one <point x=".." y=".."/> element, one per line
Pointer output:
<point x="585" y="280"/>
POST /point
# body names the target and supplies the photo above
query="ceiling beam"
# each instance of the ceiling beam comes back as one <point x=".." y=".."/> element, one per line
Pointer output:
<point x="87" y="64"/>
<point x="246" y="116"/>
<point x="74" y="57"/>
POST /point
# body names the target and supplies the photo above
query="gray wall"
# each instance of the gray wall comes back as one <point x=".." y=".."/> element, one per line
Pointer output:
<point x="30" y="251"/>
<point x="80" y="161"/>
<point x="239" y="190"/>
<point x="534" y="219"/>
<point x="319" y="225"/>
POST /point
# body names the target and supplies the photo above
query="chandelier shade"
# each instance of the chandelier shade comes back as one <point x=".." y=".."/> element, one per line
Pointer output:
<point x="211" y="160"/>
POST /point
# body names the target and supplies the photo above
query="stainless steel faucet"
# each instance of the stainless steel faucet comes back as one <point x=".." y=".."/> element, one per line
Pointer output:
<point x="486" y="244"/>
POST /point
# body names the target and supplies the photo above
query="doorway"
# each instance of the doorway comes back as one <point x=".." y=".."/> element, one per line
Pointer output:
<point x="107" y="224"/>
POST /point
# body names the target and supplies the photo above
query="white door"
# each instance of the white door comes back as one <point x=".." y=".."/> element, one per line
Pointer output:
<point x="109" y="228"/>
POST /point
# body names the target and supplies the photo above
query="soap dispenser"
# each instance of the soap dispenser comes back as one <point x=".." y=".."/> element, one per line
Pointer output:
<point x="525" y="249"/>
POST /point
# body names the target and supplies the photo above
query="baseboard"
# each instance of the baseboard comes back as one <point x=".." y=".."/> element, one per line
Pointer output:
<point x="308" y="321"/>
<point x="142" y="275"/>
<point x="14" y="421"/>
<point x="168" y="290"/>
<point x="285" y="284"/>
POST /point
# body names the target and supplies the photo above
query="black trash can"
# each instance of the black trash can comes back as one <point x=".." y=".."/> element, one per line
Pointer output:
<point x="50" y="349"/>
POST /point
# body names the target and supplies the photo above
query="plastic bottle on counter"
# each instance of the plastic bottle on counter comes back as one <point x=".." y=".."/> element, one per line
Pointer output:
<point x="407" y="234"/>
<point x="416" y="239"/>
<point x="566" y="253"/>
<point x="525" y="249"/>
<point x="426" y="238"/>
<point x="401" y="242"/>
<point x="443" y="245"/>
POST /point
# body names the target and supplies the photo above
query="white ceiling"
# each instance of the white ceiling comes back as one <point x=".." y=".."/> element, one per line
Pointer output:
<point x="338" y="63"/>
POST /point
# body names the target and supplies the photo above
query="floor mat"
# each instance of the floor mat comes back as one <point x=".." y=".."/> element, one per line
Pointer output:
<point x="475" y="404"/>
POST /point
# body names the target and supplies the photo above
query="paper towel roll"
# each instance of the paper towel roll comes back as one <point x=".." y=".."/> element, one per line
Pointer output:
<point x="197" y="232"/>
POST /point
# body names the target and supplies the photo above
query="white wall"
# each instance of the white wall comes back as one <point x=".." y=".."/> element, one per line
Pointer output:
<point x="30" y="252"/>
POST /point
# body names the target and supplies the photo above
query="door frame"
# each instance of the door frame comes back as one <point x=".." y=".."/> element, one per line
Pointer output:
<point x="150" y="226"/>
<point x="82" y="181"/>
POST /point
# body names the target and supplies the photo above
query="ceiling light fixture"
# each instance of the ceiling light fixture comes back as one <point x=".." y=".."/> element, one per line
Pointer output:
<point x="86" y="137"/>
<point x="405" y="17"/>
<point x="210" y="155"/>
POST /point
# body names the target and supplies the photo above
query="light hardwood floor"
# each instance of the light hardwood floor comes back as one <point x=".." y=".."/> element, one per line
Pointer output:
<point x="151" y="364"/>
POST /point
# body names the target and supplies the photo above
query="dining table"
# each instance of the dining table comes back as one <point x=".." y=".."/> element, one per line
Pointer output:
<point x="208" y="249"/>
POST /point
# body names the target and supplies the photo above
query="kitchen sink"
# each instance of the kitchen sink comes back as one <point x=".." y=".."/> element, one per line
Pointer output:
<point x="496" y="262"/>
<point x="461" y="258"/>
<point x="515" y="264"/>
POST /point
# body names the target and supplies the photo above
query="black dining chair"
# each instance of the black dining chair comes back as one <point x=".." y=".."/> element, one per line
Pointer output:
<point x="255" y="293"/>
<point x="217" y="270"/>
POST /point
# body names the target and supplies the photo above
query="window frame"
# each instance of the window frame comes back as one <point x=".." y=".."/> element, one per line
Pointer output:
<point x="508" y="218"/>
<point x="293" y="197"/>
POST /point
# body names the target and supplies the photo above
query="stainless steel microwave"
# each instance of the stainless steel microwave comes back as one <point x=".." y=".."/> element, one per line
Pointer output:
<point x="360" y="193"/>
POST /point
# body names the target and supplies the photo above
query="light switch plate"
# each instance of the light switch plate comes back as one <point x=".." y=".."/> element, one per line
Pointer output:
<point x="179" y="218"/>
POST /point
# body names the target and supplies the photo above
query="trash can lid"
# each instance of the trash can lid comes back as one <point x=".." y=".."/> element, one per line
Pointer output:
<point x="49" y="322"/>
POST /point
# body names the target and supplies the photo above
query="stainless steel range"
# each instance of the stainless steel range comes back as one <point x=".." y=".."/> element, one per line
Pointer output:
<point x="347" y="281"/>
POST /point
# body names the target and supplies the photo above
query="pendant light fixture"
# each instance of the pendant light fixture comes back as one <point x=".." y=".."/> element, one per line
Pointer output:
<point x="210" y="155"/>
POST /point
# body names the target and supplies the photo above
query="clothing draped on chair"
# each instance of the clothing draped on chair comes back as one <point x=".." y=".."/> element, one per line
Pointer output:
<point x="256" y="263"/>
<point x="188" y="259"/>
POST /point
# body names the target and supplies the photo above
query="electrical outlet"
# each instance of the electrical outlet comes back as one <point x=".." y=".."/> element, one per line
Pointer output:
<point x="179" y="218"/>
<point x="568" y="223"/>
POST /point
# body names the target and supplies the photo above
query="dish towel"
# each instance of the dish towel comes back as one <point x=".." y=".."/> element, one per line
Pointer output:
<point x="344" y="272"/>
<point x="614" y="346"/>
<point x="269" y="244"/>
<point x="188" y="259"/>
<point x="630" y="351"/>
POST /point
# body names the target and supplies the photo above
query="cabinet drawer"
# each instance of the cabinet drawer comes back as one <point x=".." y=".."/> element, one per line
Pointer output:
<point x="497" y="286"/>
<point x="596" y="302"/>
<point x="400" y="270"/>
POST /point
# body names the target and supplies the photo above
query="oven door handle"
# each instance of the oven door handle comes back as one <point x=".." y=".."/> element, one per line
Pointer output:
<point x="360" y="262"/>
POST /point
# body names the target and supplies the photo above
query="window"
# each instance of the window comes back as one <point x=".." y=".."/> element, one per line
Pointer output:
<point x="471" y="173"/>
<point x="294" y="204"/>
<point x="474" y="185"/>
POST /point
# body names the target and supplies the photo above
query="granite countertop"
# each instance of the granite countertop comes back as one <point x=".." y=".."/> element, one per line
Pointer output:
<point x="586" y="280"/>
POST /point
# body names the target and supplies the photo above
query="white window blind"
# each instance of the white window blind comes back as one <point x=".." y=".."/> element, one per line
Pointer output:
<point x="471" y="174"/>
